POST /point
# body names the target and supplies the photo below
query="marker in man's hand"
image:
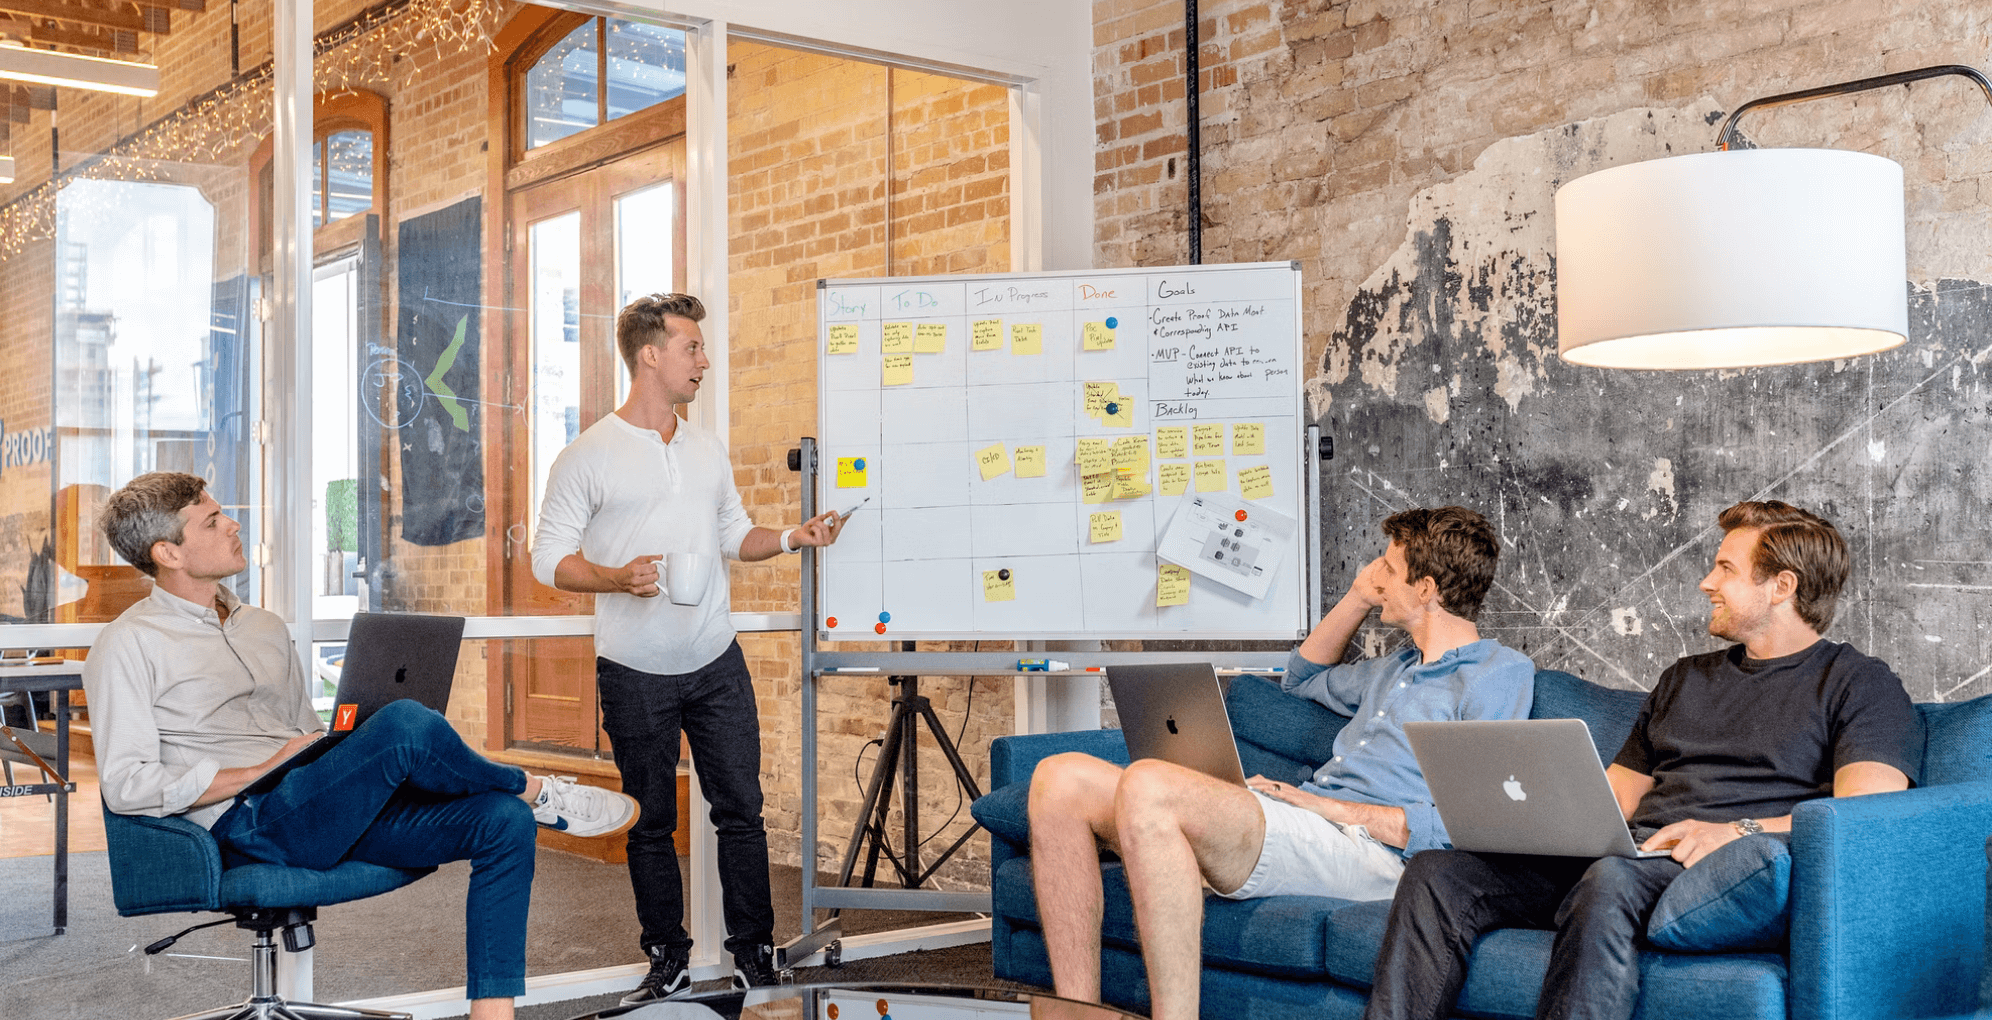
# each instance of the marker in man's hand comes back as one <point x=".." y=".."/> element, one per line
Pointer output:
<point x="855" y="507"/>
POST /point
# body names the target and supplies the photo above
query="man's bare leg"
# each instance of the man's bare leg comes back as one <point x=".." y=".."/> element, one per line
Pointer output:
<point x="1179" y="829"/>
<point x="1072" y="815"/>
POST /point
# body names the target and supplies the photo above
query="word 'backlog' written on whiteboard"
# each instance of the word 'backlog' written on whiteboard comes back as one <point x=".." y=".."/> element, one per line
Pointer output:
<point x="1025" y="440"/>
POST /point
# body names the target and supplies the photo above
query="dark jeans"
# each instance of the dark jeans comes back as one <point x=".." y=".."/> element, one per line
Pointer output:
<point x="714" y="707"/>
<point x="404" y="791"/>
<point x="1447" y="899"/>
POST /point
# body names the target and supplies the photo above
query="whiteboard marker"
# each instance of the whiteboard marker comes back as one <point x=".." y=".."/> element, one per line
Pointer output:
<point x="855" y="669"/>
<point x="846" y="515"/>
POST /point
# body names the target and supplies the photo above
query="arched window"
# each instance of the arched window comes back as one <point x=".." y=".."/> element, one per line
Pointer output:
<point x="562" y="91"/>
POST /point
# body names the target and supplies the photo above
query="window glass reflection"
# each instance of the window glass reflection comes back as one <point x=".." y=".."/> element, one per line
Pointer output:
<point x="560" y="89"/>
<point x="644" y="240"/>
<point x="646" y="66"/>
<point x="556" y="343"/>
<point x="348" y="163"/>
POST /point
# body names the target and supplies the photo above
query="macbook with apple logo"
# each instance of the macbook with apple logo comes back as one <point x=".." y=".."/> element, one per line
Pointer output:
<point x="1522" y="786"/>
<point x="389" y="657"/>
<point x="1175" y="712"/>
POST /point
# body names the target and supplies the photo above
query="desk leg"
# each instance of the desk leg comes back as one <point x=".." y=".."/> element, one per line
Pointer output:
<point x="706" y="919"/>
<point x="62" y="812"/>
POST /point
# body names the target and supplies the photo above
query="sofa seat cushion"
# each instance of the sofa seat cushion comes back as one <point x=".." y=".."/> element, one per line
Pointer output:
<point x="1281" y="936"/>
<point x="1735" y="898"/>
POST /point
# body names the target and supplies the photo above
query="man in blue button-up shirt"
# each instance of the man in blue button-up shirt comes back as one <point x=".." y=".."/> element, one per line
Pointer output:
<point x="1344" y="833"/>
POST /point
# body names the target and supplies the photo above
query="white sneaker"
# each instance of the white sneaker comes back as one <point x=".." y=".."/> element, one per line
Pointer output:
<point x="577" y="810"/>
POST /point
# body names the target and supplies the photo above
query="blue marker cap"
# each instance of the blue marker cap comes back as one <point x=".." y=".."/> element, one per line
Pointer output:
<point x="884" y="617"/>
<point x="1113" y="323"/>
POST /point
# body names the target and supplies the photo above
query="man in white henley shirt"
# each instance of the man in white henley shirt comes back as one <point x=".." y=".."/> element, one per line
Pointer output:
<point x="636" y="486"/>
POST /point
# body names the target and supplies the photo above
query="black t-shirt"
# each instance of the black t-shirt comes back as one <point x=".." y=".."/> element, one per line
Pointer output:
<point x="1727" y="737"/>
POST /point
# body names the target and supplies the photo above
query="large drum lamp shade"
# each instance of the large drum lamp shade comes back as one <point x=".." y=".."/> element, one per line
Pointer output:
<point x="1731" y="260"/>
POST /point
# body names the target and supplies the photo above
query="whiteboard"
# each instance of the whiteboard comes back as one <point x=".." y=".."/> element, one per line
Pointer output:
<point x="942" y="398"/>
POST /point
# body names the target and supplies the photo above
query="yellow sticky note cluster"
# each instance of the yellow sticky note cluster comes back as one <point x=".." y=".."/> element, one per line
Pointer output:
<point x="1255" y="482"/>
<point x="895" y="338"/>
<point x="1248" y="439"/>
<point x="999" y="586"/>
<point x="1105" y="526"/>
<point x="1172" y="442"/>
<point x="1175" y="479"/>
<point x="897" y="370"/>
<point x="1095" y="489"/>
<point x="985" y="335"/>
<point x="1096" y="336"/>
<point x="843" y="338"/>
<point x="1095" y="456"/>
<point x="1026" y="338"/>
<point x="1172" y="585"/>
<point x="1210" y="476"/>
<point x="1207" y="440"/>
<point x="1098" y="395"/>
<point x="930" y="338"/>
<point x="993" y="460"/>
<point x="1130" y="453"/>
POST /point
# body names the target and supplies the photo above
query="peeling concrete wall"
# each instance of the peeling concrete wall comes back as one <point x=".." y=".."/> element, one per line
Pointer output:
<point x="1442" y="384"/>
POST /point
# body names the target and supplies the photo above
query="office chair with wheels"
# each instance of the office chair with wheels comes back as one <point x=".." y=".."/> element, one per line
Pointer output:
<point x="164" y="865"/>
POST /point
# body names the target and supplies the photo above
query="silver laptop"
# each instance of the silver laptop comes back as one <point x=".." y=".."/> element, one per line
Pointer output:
<point x="389" y="657"/>
<point x="1175" y="712"/>
<point x="1522" y="786"/>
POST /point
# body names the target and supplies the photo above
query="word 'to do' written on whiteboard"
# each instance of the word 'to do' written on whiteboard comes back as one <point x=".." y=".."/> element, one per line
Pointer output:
<point x="1021" y="443"/>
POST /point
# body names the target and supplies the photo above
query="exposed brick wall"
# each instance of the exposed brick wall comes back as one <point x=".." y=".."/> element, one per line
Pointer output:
<point x="809" y="200"/>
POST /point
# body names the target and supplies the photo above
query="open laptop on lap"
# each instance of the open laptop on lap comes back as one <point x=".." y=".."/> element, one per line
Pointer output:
<point x="1175" y="712"/>
<point x="389" y="657"/>
<point x="1522" y="786"/>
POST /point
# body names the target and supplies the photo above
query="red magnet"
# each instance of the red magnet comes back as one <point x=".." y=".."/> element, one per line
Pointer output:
<point x="832" y="621"/>
<point x="1241" y="515"/>
<point x="879" y="627"/>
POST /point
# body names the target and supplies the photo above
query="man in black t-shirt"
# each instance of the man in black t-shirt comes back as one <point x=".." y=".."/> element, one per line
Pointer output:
<point x="1724" y="747"/>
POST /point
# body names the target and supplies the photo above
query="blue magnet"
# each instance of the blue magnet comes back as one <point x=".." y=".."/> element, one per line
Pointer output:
<point x="1113" y="323"/>
<point x="1113" y="408"/>
<point x="885" y="617"/>
<point x="859" y="464"/>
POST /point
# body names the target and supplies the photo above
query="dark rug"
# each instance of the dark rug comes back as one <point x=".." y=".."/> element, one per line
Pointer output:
<point x="409" y="940"/>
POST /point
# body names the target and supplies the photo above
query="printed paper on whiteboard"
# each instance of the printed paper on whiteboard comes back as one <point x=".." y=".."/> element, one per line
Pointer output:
<point x="1233" y="542"/>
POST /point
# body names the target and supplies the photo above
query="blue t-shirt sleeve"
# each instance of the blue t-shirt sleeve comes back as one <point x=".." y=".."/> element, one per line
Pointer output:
<point x="1336" y="687"/>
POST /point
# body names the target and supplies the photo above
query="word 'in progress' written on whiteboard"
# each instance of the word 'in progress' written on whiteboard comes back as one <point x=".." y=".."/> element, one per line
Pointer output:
<point x="1024" y="440"/>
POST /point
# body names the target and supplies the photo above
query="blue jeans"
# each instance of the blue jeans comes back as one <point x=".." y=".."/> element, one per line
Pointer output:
<point x="404" y="791"/>
<point x="1447" y="899"/>
<point x="714" y="707"/>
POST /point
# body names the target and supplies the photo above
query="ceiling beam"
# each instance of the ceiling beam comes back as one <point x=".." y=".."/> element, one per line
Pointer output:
<point x="101" y="40"/>
<point x="155" y="18"/>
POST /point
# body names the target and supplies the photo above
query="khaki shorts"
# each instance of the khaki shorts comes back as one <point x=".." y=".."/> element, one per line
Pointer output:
<point x="1308" y="855"/>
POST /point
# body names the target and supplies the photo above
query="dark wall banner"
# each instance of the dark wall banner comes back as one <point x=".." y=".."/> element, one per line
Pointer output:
<point x="434" y="372"/>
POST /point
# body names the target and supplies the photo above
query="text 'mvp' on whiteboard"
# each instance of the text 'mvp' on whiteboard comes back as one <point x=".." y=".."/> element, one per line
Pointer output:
<point x="1024" y="439"/>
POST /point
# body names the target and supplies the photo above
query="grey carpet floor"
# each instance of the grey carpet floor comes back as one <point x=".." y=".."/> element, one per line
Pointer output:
<point x="409" y="940"/>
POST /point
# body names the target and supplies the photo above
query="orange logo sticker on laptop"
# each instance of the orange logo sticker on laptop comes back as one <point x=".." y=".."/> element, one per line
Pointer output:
<point x="343" y="719"/>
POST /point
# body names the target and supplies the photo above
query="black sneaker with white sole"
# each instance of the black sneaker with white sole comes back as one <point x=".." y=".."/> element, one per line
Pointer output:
<point x="670" y="973"/>
<point x="754" y="967"/>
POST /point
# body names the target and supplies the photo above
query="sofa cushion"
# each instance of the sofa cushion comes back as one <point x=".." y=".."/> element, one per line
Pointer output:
<point x="1957" y="744"/>
<point x="1608" y="713"/>
<point x="1005" y="812"/>
<point x="1279" y="736"/>
<point x="1735" y="898"/>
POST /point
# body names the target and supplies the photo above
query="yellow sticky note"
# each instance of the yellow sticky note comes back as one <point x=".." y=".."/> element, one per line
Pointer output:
<point x="1098" y="396"/>
<point x="1248" y="439"/>
<point x="1207" y="440"/>
<point x="1130" y="484"/>
<point x="999" y="586"/>
<point x="896" y="338"/>
<point x="898" y="370"/>
<point x="1094" y="457"/>
<point x="1131" y="453"/>
<point x="1027" y="338"/>
<point x="1172" y="442"/>
<point x="1097" y="337"/>
<point x="1175" y="478"/>
<point x="1255" y="482"/>
<point x="1172" y="584"/>
<point x="851" y="472"/>
<point x="985" y="335"/>
<point x="1106" y="526"/>
<point x="930" y="338"/>
<point x="993" y="460"/>
<point x="1096" y="488"/>
<point x="1210" y="476"/>
<point x="1120" y="414"/>
<point x="1030" y="462"/>
<point x="843" y="338"/>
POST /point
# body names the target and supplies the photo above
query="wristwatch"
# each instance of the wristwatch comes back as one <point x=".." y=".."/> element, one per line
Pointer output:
<point x="1748" y="826"/>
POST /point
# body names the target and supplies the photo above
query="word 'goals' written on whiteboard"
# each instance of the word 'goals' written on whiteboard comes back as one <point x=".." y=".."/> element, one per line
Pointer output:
<point x="1024" y="440"/>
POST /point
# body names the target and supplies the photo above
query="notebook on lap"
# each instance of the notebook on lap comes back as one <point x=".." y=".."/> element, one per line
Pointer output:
<point x="1522" y="786"/>
<point x="1175" y="712"/>
<point x="389" y="657"/>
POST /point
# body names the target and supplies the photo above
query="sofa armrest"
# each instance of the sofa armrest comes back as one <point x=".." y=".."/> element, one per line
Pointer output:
<point x="1888" y="903"/>
<point x="1013" y="759"/>
<point x="161" y="865"/>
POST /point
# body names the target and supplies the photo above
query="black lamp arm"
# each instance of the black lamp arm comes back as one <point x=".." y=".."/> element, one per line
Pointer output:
<point x="1724" y="137"/>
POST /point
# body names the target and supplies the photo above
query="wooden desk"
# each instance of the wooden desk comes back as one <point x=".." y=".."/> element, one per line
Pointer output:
<point x="60" y="679"/>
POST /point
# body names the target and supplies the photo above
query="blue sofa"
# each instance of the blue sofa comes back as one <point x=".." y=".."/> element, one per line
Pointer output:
<point x="1887" y="893"/>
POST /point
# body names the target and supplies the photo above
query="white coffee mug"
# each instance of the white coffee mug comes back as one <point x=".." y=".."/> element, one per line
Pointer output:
<point x="686" y="575"/>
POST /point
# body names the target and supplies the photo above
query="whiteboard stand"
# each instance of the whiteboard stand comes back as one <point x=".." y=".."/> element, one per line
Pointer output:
<point x="827" y="939"/>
